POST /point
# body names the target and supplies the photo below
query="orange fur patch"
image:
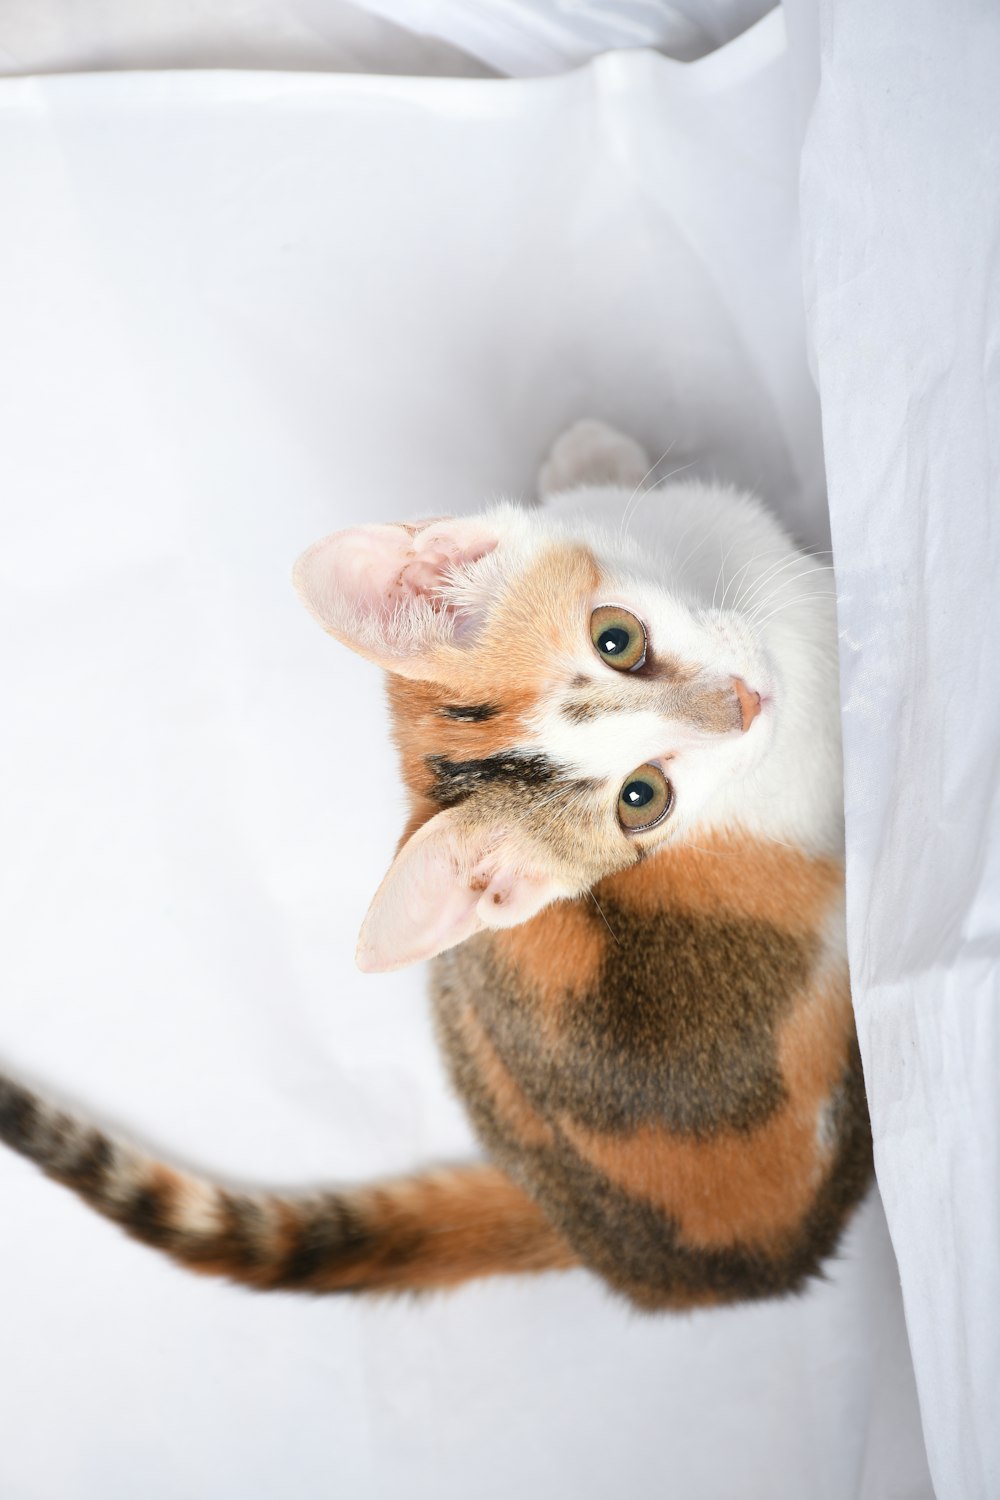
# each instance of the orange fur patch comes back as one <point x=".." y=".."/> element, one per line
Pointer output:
<point x="420" y="727"/>
<point x="732" y="877"/>
<point x="539" y="620"/>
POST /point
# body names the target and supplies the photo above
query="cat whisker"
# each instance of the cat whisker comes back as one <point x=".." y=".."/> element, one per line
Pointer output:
<point x="775" y="572"/>
<point x="751" y="582"/>
<point x="692" y="551"/>
<point x="685" y="534"/>
<point x="604" y="918"/>
<point x="715" y="853"/>
<point x="779" y="565"/>
<point x="805" y="599"/>
<point x="658" y="484"/>
<point x="722" y="573"/>
<point x="626" y="517"/>
<point x="753" y="615"/>
<point x="775" y="596"/>
<point x="742" y="571"/>
<point x="722" y="564"/>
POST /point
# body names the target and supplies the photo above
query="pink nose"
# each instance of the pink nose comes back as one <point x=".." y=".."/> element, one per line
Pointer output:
<point x="749" y="702"/>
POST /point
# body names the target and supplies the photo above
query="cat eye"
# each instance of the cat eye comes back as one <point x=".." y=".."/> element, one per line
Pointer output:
<point x="618" y="637"/>
<point x="644" y="800"/>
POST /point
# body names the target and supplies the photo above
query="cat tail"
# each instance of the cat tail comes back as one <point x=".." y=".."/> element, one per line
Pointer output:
<point x="414" y="1233"/>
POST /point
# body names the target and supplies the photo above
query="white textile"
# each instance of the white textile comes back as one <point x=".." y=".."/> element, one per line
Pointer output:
<point x="901" y="219"/>
<point x="527" y="37"/>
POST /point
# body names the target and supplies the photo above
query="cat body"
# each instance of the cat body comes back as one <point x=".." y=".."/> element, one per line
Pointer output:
<point x="624" y="859"/>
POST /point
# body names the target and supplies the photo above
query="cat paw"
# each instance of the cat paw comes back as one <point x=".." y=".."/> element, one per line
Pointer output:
<point x="592" y="452"/>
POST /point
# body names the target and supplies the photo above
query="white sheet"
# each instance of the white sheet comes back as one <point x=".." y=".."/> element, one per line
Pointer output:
<point x="525" y="38"/>
<point x="518" y="37"/>
<point x="238" y="311"/>
<point x="902" y="225"/>
<point x="62" y="36"/>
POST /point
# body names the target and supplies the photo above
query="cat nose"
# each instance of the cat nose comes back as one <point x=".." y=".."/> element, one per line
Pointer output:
<point x="749" y="702"/>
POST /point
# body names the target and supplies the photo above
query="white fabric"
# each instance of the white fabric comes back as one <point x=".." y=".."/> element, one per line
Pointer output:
<point x="48" y="36"/>
<point x="528" y="37"/>
<point x="517" y="37"/>
<point x="902" y="222"/>
<point x="239" y="311"/>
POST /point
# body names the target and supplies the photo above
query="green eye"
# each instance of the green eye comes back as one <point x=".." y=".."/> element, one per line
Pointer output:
<point x="618" y="637"/>
<point x="646" y="797"/>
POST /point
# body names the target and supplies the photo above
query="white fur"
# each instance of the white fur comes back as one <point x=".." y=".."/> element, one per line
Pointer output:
<point x="590" y="452"/>
<point x="718" y="584"/>
<point x="716" y="579"/>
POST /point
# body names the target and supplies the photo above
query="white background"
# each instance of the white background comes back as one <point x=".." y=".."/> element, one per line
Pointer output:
<point x="239" y="311"/>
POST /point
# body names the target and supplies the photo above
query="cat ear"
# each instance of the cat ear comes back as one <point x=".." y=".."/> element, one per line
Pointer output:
<point x="444" y="885"/>
<point x="389" y="592"/>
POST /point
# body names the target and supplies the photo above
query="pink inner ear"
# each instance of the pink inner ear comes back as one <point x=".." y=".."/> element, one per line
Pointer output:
<point x="370" y="585"/>
<point x="425" y="903"/>
<point x="444" y="885"/>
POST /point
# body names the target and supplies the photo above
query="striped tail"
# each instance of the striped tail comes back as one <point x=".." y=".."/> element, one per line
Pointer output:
<point x="412" y="1234"/>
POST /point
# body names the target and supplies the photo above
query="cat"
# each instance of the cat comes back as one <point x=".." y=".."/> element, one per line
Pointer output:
<point x="617" y="718"/>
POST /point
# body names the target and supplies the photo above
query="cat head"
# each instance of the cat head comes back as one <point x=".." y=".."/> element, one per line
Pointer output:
<point x="560" y="713"/>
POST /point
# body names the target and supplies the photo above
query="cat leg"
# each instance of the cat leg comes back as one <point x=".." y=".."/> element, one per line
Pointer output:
<point x="592" y="452"/>
<point x="417" y="1233"/>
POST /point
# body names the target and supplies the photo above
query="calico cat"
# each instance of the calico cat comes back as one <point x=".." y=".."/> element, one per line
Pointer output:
<point x="619" y="732"/>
